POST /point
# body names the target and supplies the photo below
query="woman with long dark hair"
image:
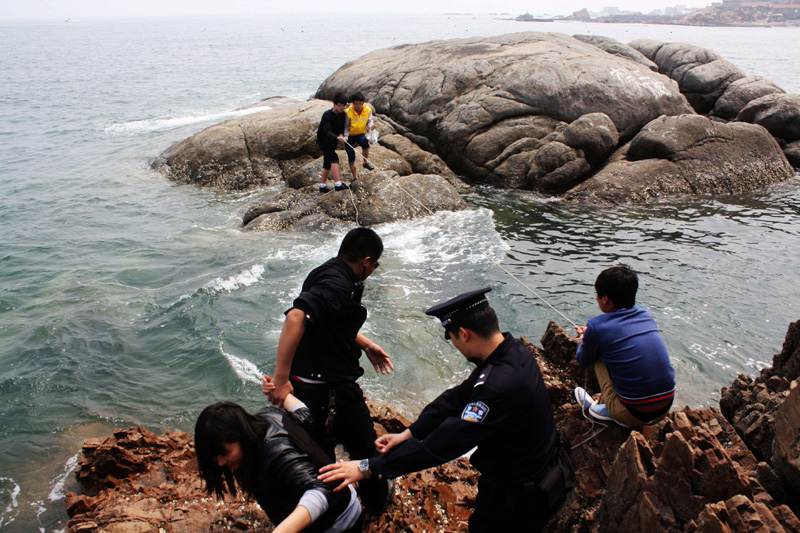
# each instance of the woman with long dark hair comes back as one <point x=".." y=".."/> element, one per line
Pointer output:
<point x="271" y="458"/>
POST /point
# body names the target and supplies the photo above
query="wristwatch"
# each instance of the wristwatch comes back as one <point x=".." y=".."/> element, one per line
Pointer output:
<point x="363" y="467"/>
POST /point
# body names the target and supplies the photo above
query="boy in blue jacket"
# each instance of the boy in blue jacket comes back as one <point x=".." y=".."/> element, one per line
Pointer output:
<point x="627" y="353"/>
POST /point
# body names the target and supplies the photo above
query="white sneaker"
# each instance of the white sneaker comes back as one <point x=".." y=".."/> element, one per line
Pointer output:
<point x="600" y="412"/>
<point x="584" y="400"/>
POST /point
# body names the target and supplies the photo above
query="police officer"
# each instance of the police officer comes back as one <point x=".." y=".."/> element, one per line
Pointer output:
<point x="502" y="408"/>
<point x="319" y="351"/>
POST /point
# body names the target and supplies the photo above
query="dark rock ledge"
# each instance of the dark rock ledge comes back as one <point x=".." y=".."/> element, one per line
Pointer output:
<point x="700" y="470"/>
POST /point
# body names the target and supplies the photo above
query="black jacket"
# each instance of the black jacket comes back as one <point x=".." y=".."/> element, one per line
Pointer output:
<point x="287" y="466"/>
<point x="330" y="126"/>
<point x="502" y="408"/>
<point x="331" y="301"/>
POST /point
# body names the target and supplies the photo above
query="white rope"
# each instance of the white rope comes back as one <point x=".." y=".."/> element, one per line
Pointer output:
<point x="465" y="239"/>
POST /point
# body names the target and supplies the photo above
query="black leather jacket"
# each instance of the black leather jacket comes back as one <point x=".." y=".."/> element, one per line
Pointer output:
<point x="287" y="466"/>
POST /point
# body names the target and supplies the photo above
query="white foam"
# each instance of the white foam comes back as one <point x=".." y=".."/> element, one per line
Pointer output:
<point x="139" y="127"/>
<point x="7" y="516"/>
<point x="245" y="369"/>
<point x="242" y="279"/>
<point x="57" y="492"/>
<point x="433" y="239"/>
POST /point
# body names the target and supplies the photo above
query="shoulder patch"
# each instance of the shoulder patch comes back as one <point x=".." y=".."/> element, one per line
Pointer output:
<point x="475" y="412"/>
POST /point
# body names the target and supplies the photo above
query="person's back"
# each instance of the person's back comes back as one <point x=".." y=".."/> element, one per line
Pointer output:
<point x="628" y="355"/>
<point x="629" y="343"/>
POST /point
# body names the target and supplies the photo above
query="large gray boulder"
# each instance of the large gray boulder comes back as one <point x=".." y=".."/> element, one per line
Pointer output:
<point x="740" y="93"/>
<point x="248" y="151"/>
<point x="613" y="46"/>
<point x="689" y="154"/>
<point x="779" y="113"/>
<point x="374" y="199"/>
<point x="489" y="106"/>
<point x="701" y="74"/>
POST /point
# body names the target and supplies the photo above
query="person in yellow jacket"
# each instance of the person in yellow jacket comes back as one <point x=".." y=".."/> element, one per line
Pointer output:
<point x="358" y="121"/>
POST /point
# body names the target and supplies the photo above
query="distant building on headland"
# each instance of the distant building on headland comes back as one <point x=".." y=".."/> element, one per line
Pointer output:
<point x="745" y="12"/>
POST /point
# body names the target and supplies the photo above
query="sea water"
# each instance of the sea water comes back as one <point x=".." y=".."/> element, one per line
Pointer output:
<point x="126" y="299"/>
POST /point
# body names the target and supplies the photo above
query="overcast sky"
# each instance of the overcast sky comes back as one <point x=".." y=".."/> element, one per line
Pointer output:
<point x="79" y="9"/>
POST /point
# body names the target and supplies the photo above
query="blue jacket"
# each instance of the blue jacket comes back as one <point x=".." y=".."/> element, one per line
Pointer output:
<point x="628" y="342"/>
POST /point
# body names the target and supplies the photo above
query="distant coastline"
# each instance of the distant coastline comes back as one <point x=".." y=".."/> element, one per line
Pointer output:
<point x="730" y="13"/>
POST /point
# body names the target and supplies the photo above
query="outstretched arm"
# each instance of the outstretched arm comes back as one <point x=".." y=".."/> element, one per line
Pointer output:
<point x="292" y="332"/>
<point x="379" y="359"/>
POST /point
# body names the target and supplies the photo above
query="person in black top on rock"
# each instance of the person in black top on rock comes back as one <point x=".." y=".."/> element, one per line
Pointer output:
<point x="319" y="351"/>
<point x="329" y="133"/>
<point x="503" y="409"/>
<point x="272" y="459"/>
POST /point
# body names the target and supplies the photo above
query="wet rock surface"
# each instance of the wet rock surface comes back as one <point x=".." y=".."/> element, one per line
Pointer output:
<point x="688" y="154"/>
<point x="695" y="471"/>
<point x="373" y="199"/>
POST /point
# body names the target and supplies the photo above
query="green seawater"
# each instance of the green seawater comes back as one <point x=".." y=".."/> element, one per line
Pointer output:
<point x="126" y="299"/>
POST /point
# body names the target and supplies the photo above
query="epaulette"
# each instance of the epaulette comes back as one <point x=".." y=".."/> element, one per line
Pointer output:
<point x="484" y="375"/>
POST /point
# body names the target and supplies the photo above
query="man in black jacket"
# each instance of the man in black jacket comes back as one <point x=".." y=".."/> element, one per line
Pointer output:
<point x="502" y="409"/>
<point x="330" y="132"/>
<point x="319" y="351"/>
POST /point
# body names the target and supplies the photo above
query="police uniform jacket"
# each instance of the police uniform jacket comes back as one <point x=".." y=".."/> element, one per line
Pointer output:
<point x="502" y="408"/>
<point x="331" y="301"/>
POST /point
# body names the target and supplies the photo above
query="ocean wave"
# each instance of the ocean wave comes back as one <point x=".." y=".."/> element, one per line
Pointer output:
<point x="140" y="127"/>
<point x="9" y="489"/>
<point x="242" y="279"/>
<point x="245" y="369"/>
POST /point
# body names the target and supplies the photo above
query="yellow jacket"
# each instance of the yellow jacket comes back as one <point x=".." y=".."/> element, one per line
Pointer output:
<point x="358" y="123"/>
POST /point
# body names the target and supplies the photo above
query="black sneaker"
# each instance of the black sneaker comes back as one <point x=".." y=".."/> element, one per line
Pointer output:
<point x="368" y="165"/>
<point x="342" y="187"/>
<point x="324" y="189"/>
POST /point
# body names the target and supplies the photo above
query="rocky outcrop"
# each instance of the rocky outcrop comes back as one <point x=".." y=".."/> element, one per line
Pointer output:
<point x="373" y="199"/>
<point x="701" y="74"/>
<point x="544" y="112"/>
<point x="279" y="146"/>
<point x="718" y="88"/>
<point x="779" y="113"/>
<point x="689" y="154"/>
<point x="613" y="46"/>
<point x="691" y="472"/>
<point x="493" y="106"/>
<point x="740" y="93"/>
<point x="765" y="412"/>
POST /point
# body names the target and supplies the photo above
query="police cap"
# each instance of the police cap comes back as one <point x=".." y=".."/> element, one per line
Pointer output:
<point x="463" y="305"/>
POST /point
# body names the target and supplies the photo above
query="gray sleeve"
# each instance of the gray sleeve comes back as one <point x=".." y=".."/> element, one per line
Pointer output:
<point x="315" y="503"/>
<point x="346" y="126"/>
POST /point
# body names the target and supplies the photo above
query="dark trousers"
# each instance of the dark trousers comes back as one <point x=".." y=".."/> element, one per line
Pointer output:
<point x="502" y="508"/>
<point x="352" y="427"/>
<point x="355" y="140"/>
<point x="328" y="153"/>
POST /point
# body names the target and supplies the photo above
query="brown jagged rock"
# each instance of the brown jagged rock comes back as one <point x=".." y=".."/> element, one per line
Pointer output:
<point x="768" y="421"/>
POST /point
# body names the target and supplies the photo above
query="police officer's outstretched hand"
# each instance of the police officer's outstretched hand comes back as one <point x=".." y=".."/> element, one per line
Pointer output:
<point x="390" y="440"/>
